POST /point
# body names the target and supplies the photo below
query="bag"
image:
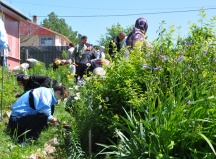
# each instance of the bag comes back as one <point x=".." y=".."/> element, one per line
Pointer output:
<point x="3" y="36"/>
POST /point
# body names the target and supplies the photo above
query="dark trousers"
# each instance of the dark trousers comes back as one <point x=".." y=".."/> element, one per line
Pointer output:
<point x="3" y="61"/>
<point x="31" y="124"/>
<point x="80" y="70"/>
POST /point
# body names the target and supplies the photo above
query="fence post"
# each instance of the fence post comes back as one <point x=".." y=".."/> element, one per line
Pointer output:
<point x="26" y="54"/>
<point x="90" y="143"/>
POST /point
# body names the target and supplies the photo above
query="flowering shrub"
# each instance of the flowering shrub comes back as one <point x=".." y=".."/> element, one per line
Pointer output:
<point x="171" y="90"/>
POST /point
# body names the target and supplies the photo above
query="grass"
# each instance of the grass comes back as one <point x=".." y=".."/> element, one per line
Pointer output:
<point x="9" y="149"/>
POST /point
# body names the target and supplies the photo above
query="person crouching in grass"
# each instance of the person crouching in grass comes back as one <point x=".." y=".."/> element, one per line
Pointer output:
<point x="32" y="111"/>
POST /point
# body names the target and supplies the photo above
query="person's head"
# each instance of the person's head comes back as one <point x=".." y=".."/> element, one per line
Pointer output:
<point x="101" y="48"/>
<point x="22" y="78"/>
<point x="71" y="45"/>
<point x="121" y="36"/>
<point x="61" y="92"/>
<point x="84" y="39"/>
<point x="142" y="24"/>
<point x="57" y="62"/>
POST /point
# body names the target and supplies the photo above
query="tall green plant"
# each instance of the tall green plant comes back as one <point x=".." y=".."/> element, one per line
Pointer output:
<point x="170" y="88"/>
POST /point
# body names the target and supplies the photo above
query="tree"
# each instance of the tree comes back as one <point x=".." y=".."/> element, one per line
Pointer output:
<point x="60" y="26"/>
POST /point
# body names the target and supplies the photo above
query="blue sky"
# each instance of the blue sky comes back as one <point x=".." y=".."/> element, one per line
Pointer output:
<point x="94" y="27"/>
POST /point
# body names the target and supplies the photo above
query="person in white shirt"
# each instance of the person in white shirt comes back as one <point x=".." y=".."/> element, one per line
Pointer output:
<point x="100" y="54"/>
<point x="70" y="51"/>
<point x="32" y="62"/>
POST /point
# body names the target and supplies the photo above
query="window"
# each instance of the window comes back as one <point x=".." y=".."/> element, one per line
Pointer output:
<point x="47" y="41"/>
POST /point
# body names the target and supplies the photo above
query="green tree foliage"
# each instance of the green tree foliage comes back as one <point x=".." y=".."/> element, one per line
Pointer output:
<point x="59" y="25"/>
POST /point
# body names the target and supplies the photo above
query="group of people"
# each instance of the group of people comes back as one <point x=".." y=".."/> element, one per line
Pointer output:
<point x="81" y="54"/>
<point x="82" y="58"/>
<point x="34" y="108"/>
<point x="136" y="38"/>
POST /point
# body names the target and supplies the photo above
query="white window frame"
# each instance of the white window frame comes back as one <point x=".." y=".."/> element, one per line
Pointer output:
<point x="47" y="43"/>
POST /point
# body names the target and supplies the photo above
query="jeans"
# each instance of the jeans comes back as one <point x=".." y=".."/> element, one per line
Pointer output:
<point x="4" y="61"/>
<point x="28" y="126"/>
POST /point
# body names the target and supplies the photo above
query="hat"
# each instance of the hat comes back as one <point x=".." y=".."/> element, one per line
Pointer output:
<point x="20" y="77"/>
<point x="142" y="24"/>
<point x="102" y="47"/>
<point x="99" y="71"/>
<point x="57" y="62"/>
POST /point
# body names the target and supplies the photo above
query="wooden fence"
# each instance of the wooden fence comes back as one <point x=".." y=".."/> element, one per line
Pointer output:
<point x="45" y="54"/>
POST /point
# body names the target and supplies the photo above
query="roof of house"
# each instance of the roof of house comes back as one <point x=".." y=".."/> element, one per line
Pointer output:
<point x="28" y="27"/>
<point x="11" y="11"/>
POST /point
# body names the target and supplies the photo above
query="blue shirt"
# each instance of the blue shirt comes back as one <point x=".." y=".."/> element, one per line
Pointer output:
<point x="43" y="100"/>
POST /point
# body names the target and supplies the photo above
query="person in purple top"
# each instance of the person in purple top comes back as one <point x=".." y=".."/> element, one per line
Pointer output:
<point x="138" y="33"/>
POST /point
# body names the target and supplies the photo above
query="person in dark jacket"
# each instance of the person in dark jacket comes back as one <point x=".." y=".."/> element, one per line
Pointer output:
<point x="32" y="82"/>
<point x="82" y="67"/>
<point x="116" y="44"/>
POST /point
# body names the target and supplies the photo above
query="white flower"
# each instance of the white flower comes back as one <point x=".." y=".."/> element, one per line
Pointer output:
<point x="100" y="106"/>
<point x="78" y="94"/>
<point x="76" y="98"/>
<point x="107" y="99"/>
<point x="88" y="64"/>
<point x="76" y="87"/>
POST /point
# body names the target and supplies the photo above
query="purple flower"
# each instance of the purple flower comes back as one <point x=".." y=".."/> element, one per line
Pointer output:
<point x="163" y="58"/>
<point x="157" y="68"/>
<point x="180" y="59"/>
<point x="144" y="66"/>
<point x="181" y="53"/>
<point x="190" y="102"/>
<point x="205" y="52"/>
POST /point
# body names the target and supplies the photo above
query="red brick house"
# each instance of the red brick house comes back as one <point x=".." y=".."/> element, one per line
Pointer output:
<point x="12" y="19"/>
<point x="32" y="34"/>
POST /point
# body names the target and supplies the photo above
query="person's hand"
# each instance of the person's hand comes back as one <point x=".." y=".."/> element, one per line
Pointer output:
<point x="17" y="95"/>
<point x="54" y="120"/>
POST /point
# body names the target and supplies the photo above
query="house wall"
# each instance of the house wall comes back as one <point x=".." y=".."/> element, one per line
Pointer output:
<point x="32" y="40"/>
<point x="12" y="29"/>
<point x="57" y="40"/>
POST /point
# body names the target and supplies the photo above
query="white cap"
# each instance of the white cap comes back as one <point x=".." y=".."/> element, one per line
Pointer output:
<point x="102" y="47"/>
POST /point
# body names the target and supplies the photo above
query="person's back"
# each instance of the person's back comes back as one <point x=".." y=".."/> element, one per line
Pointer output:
<point x="32" y="82"/>
<point x="115" y="44"/>
<point x="87" y="56"/>
<point x="31" y="112"/>
<point x="70" y="51"/>
<point x="41" y="81"/>
<point x="137" y="35"/>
